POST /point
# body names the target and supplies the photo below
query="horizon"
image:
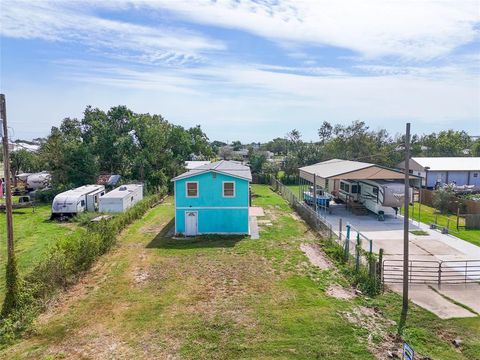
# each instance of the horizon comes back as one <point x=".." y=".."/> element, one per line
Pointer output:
<point x="244" y="70"/>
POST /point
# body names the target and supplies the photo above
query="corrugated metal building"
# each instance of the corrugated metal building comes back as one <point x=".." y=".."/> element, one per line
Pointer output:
<point x="445" y="170"/>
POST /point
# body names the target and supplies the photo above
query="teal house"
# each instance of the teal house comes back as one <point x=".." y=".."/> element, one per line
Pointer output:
<point x="213" y="199"/>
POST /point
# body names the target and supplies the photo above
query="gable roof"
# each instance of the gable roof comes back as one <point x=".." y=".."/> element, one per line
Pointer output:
<point x="223" y="166"/>
<point x="449" y="163"/>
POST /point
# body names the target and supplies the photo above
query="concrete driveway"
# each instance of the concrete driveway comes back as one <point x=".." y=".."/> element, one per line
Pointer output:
<point x="435" y="246"/>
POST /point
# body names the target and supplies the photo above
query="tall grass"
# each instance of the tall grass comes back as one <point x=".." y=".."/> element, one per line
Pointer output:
<point x="64" y="264"/>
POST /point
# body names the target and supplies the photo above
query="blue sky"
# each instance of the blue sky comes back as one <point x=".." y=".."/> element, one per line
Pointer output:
<point x="248" y="70"/>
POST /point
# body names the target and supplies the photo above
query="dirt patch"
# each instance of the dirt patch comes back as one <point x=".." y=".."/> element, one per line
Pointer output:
<point x="103" y="345"/>
<point x="377" y="326"/>
<point x="140" y="276"/>
<point x="295" y="216"/>
<point x="340" y="292"/>
<point x="272" y="214"/>
<point x="316" y="256"/>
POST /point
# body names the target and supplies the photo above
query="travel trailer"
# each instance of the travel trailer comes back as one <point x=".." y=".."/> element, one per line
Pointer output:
<point x="382" y="197"/>
<point x="75" y="201"/>
<point x="121" y="198"/>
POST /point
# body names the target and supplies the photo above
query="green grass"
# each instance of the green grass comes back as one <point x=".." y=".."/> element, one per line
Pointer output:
<point x="429" y="215"/>
<point x="216" y="297"/>
<point x="34" y="234"/>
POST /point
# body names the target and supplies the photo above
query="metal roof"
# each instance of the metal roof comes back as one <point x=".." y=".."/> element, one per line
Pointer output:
<point x="335" y="167"/>
<point x="225" y="167"/>
<point x="449" y="163"/>
<point x="122" y="191"/>
<point x="350" y="170"/>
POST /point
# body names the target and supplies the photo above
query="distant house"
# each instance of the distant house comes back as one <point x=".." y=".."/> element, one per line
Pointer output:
<point x="445" y="170"/>
<point x="213" y="199"/>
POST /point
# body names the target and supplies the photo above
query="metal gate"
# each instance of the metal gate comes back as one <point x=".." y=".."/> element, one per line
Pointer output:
<point x="432" y="272"/>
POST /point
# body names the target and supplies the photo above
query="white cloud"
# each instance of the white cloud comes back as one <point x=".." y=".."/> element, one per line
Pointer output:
<point x="71" y="22"/>
<point x="410" y="29"/>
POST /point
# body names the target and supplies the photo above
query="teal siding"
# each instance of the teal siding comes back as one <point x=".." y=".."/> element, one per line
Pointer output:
<point x="216" y="214"/>
<point x="211" y="221"/>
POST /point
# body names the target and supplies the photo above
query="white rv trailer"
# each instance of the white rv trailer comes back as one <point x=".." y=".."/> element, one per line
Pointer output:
<point x="121" y="198"/>
<point x="75" y="201"/>
<point x="379" y="196"/>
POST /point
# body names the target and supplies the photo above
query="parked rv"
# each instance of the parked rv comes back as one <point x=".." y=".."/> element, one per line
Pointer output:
<point x="121" y="198"/>
<point x="75" y="201"/>
<point x="382" y="197"/>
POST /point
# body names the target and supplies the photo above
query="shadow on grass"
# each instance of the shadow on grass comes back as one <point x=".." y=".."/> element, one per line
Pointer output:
<point x="164" y="240"/>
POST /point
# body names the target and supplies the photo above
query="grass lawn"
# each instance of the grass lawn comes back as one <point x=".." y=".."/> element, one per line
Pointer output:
<point x="428" y="215"/>
<point x="34" y="233"/>
<point x="220" y="297"/>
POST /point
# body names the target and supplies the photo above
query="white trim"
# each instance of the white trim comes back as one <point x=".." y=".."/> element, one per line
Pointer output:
<point x="175" y="205"/>
<point x="196" y="218"/>
<point x="211" y="207"/>
<point x="223" y="189"/>
<point x="186" y="189"/>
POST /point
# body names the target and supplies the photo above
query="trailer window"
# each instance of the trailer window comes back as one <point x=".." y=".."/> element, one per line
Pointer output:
<point x="192" y="189"/>
<point x="375" y="190"/>
<point x="355" y="189"/>
<point x="82" y="203"/>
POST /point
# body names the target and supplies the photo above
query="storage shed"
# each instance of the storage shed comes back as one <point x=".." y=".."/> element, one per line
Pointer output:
<point x="121" y="198"/>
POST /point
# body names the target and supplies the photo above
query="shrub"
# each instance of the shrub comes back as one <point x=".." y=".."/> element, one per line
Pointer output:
<point x="63" y="265"/>
<point x="442" y="198"/>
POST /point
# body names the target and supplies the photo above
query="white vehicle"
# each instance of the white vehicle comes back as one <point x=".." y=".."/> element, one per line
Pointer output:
<point x="35" y="181"/>
<point x="121" y="198"/>
<point x="382" y="197"/>
<point x="75" y="201"/>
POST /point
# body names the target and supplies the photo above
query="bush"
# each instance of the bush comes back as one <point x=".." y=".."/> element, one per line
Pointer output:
<point x="442" y="198"/>
<point x="63" y="265"/>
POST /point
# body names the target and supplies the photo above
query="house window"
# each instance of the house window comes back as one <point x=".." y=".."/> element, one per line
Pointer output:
<point x="192" y="189"/>
<point x="228" y="189"/>
<point x="475" y="174"/>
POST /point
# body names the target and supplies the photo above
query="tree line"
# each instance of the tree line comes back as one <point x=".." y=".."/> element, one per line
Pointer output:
<point x="150" y="149"/>
<point x="140" y="147"/>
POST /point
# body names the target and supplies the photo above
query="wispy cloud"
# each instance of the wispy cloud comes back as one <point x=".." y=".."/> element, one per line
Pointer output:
<point x="75" y="22"/>
<point x="411" y="29"/>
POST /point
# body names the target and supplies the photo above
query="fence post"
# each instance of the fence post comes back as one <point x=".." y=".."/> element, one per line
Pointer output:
<point x="357" y="253"/>
<point x="380" y="269"/>
<point x="371" y="246"/>
<point x="347" y="243"/>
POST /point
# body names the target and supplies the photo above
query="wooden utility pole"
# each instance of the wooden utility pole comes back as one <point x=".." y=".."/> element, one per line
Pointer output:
<point x="11" y="278"/>
<point x="405" y="229"/>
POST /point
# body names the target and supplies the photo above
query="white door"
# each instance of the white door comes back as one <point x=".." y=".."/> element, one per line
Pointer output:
<point x="191" y="223"/>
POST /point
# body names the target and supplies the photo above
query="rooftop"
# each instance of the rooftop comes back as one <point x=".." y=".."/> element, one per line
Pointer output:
<point x="122" y="191"/>
<point x="448" y="163"/>
<point x="223" y="166"/>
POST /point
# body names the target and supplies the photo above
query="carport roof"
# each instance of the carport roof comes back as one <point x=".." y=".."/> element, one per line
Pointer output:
<point x="354" y="170"/>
